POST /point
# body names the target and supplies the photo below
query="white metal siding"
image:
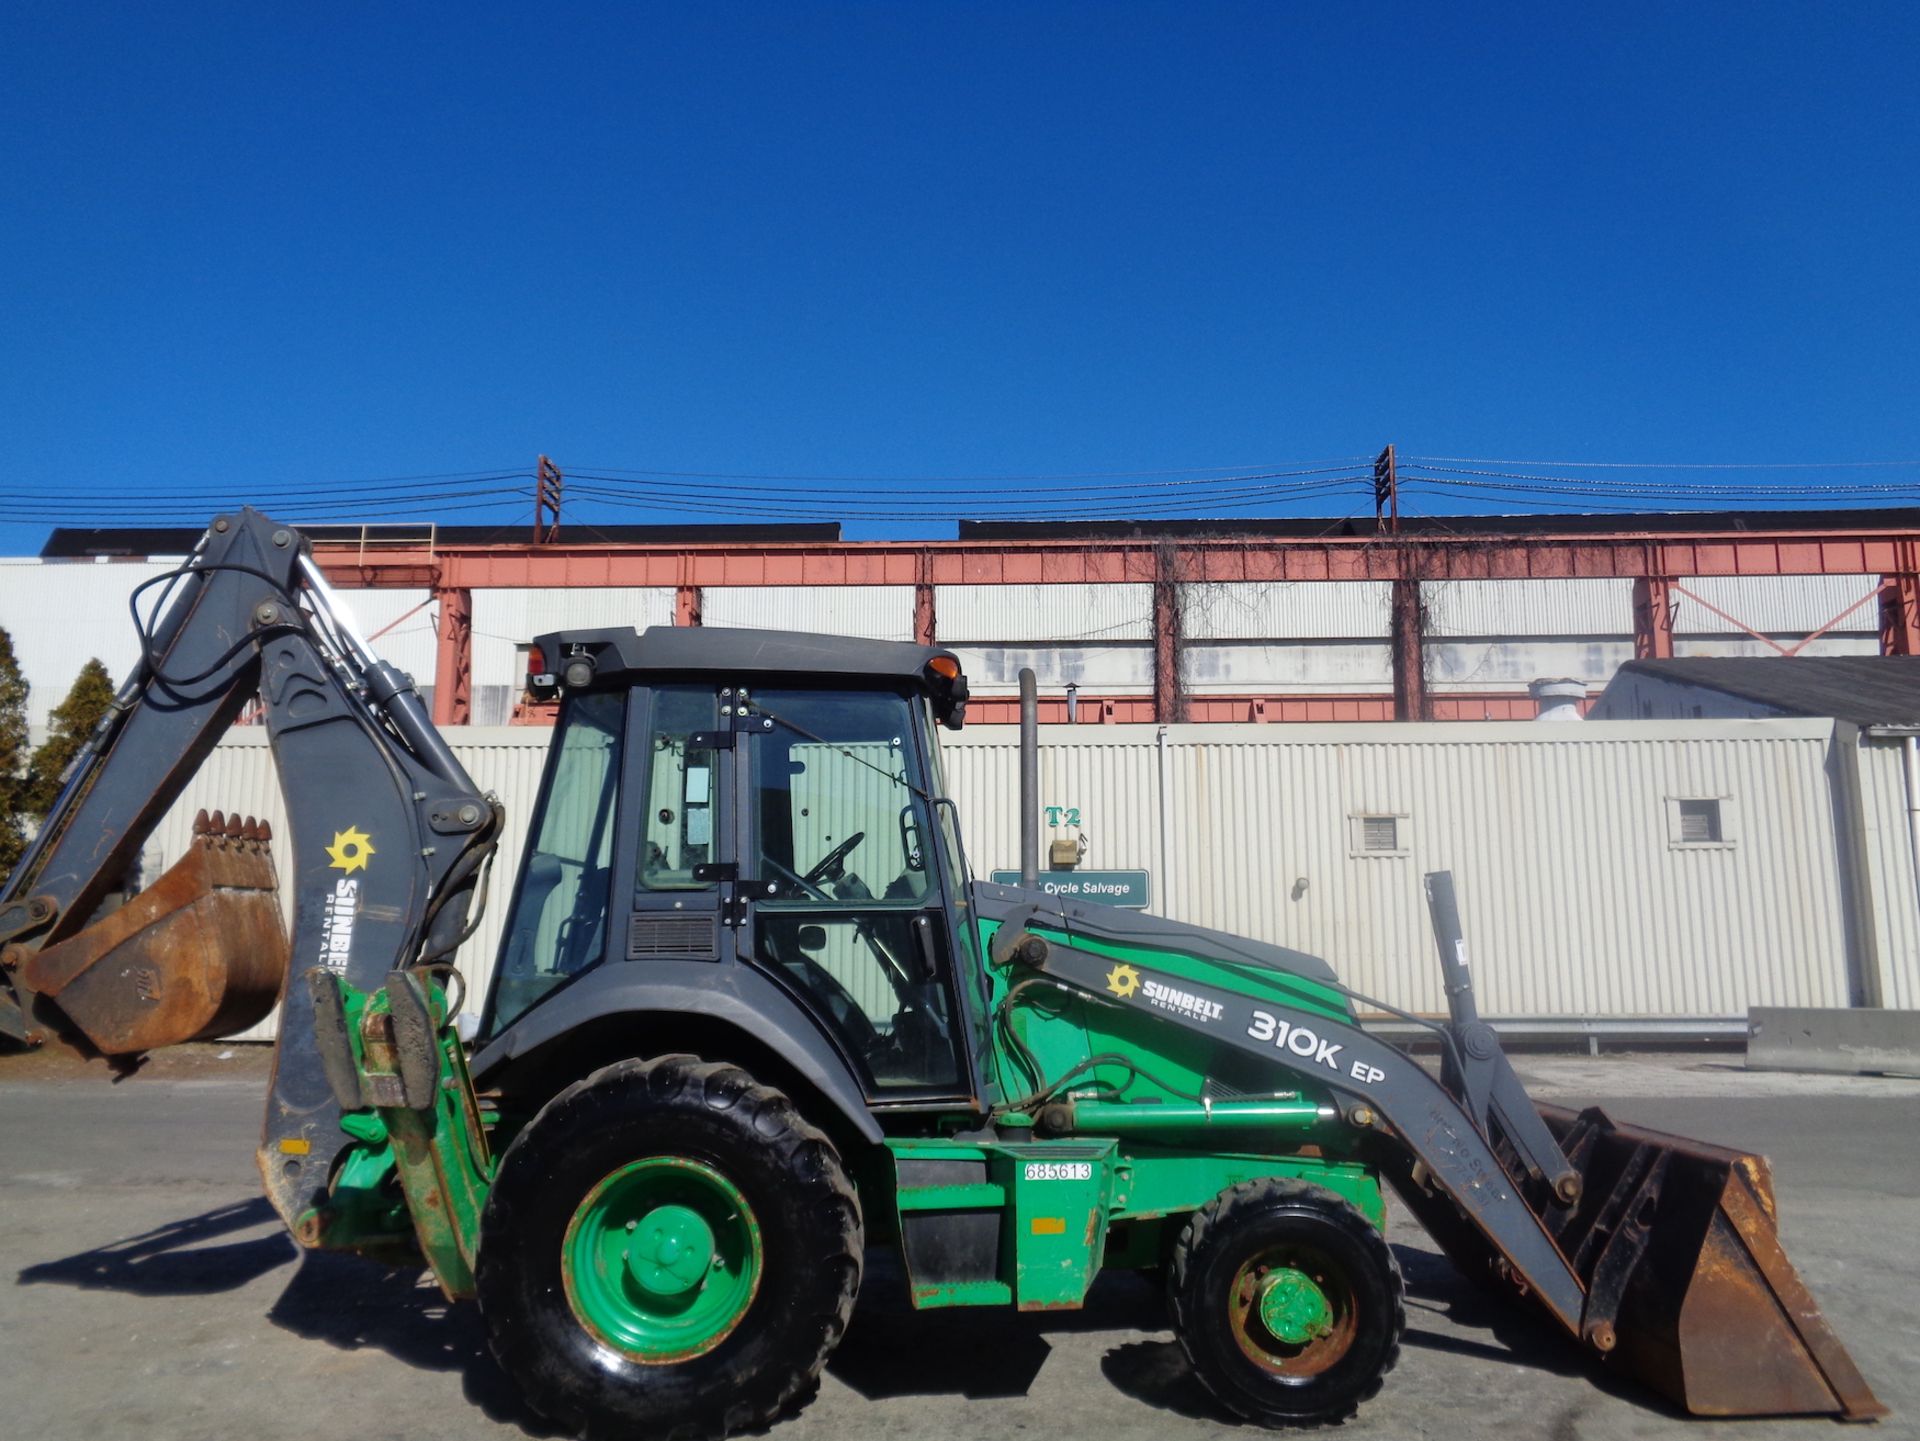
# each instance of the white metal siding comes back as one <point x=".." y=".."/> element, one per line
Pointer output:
<point x="876" y="612"/>
<point x="404" y="621"/>
<point x="1776" y="605"/>
<point x="1012" y="613"/>
<point x="1529" y="607"/>
<point x="1096" y="669"/>
<point x="1291" y="610"/>
<point x="1890" y="861"/>
<point x="504" y="620"/>
<point x="1574" y="901"/>
<point x="1312" y="667"/>
<point x="1108" y="776"/>
<point x="1511" y="664"/>
<point x="61" y="613"/>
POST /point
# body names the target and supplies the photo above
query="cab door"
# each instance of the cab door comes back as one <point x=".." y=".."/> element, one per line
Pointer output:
<point x="844" y="903"/>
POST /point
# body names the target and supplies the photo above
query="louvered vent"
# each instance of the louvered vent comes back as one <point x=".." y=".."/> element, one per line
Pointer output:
<point x="657" y="933"/>
<point x="1379" y="833"/>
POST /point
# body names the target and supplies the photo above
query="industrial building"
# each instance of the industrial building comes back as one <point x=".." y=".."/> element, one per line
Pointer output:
<point x="1693" y="850"/>
<point x="1446" y="618"/>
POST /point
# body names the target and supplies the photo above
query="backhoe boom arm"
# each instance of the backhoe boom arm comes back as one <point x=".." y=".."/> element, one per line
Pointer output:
<point x="390" y="840"/>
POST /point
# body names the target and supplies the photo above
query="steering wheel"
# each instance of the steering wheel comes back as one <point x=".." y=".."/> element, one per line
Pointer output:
<point x="828" y="866"/>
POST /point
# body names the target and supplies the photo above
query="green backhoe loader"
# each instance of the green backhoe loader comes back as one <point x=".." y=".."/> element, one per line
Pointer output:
<point x="752" y="1015"/>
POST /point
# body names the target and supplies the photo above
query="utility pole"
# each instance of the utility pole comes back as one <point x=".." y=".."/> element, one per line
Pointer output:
<point x="548" y="482"/>
<point x="1386" y="490"/>
<point x="1407" y="625"/>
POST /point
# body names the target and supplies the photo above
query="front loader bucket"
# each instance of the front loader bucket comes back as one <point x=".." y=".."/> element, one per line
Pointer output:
<point x="200" y="953"/>
<point x="1688" y="1290"/>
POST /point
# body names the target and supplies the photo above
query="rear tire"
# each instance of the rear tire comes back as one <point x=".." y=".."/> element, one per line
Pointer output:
<point x="1287" y="1301"/>
<point x="668" y="1249"/>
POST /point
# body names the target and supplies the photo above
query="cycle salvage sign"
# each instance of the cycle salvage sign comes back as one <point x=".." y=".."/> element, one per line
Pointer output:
<point x="1107" y="888"/>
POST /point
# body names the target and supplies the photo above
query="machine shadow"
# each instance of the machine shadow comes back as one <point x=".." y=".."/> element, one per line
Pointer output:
<point x="1519" y="1335"/>
<point x="893" y="1350"/>
<point x="354" y="1304"/>
<point x="176" y="1259"/>
<point x="345" y="1301"/>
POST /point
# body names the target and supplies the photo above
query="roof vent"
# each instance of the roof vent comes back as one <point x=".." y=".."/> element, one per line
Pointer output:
<point x="1559" y="699"/>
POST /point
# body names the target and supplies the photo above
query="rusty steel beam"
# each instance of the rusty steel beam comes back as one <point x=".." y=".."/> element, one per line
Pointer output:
<point x="1169" y="695"/>
<point x="924" y="624"/>
<point x="686" y="605"/>
<point x="1653" y="618"/>
<point x="1900" y="614"/>
<point x="1407" y="644"/>
<point x="453" y="658"/>
<point x="1103" y="561"/>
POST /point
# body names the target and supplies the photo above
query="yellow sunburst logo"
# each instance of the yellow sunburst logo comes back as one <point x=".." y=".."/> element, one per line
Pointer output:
<point x="1123" y="980"/>
<point x="350" y="850"/>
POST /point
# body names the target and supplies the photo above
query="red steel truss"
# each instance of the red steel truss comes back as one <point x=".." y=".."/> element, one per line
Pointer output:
<point x="1654" y="562"/>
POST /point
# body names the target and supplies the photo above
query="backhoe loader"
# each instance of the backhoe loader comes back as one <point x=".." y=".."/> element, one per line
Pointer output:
<point x="752" y="1015"/>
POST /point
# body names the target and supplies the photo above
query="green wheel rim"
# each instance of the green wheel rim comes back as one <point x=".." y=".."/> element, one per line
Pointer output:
<point x="662" y="1259"/>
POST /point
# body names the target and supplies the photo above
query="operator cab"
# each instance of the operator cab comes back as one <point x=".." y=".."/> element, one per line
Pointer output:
<point x="761" y="800"/>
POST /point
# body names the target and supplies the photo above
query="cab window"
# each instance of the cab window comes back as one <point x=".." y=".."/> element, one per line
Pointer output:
<point x="846" y="903"/>
<point x="558" y="927"/>
<point x="682" y="805"/>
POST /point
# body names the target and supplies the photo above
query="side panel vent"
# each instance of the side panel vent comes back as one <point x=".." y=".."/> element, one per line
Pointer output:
<point x="657" y="933"/>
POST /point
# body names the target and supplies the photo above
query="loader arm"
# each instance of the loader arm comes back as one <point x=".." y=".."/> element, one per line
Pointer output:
<point x="1657" y="1252"/>
<point x="390" y="842"/>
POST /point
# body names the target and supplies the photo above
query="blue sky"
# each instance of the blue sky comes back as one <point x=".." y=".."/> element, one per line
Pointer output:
<point x="254" y="249"/>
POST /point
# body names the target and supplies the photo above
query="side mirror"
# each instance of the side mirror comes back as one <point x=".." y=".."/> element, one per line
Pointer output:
<point x="813" y="938"/>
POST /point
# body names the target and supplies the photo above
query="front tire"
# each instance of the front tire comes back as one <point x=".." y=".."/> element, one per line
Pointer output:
<point x="1287" y="1301"/>
<point x="668" y="1249"/>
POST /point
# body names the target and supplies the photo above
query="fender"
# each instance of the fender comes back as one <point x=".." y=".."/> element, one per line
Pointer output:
<point x="726" y="992"/>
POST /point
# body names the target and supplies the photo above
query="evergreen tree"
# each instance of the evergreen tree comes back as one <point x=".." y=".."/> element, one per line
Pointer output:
<point x="13" y="757"/>
<point x="71" y="722"/>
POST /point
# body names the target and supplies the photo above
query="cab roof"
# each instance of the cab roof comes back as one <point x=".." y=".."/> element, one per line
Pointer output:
<point x="623" y="655"/>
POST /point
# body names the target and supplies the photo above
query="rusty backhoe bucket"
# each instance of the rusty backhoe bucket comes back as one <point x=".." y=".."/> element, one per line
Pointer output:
<point x="200" y="953"/>
<point x="1688" y="1289"/>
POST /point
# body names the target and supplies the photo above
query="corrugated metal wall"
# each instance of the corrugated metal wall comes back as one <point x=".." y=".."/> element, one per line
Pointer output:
<point x="1095" y="669"/>
<point x="1296" y="610"/>
<point x="1883" y="791"/>
<point x="1043" y="612"/>
<point x="1576" y="900"/>
<point x="506" y="620"/>
<point x="876" y="612"/>
<point x="1775" y="605"/>
<point x="1529" y="607"/>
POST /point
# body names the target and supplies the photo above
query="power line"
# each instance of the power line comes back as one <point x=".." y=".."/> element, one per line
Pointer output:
<point x="1673" y="465"/>
<point x="1299" y="467"/>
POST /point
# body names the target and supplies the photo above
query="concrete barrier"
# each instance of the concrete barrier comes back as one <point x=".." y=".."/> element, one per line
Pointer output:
<point x="1847" y="1042"/>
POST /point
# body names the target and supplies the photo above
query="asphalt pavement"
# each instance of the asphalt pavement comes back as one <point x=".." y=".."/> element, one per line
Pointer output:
<point x="146" y="1289"/>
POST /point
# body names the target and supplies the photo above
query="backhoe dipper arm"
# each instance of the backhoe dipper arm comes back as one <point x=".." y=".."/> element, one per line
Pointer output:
<point x="390" y="837"/>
